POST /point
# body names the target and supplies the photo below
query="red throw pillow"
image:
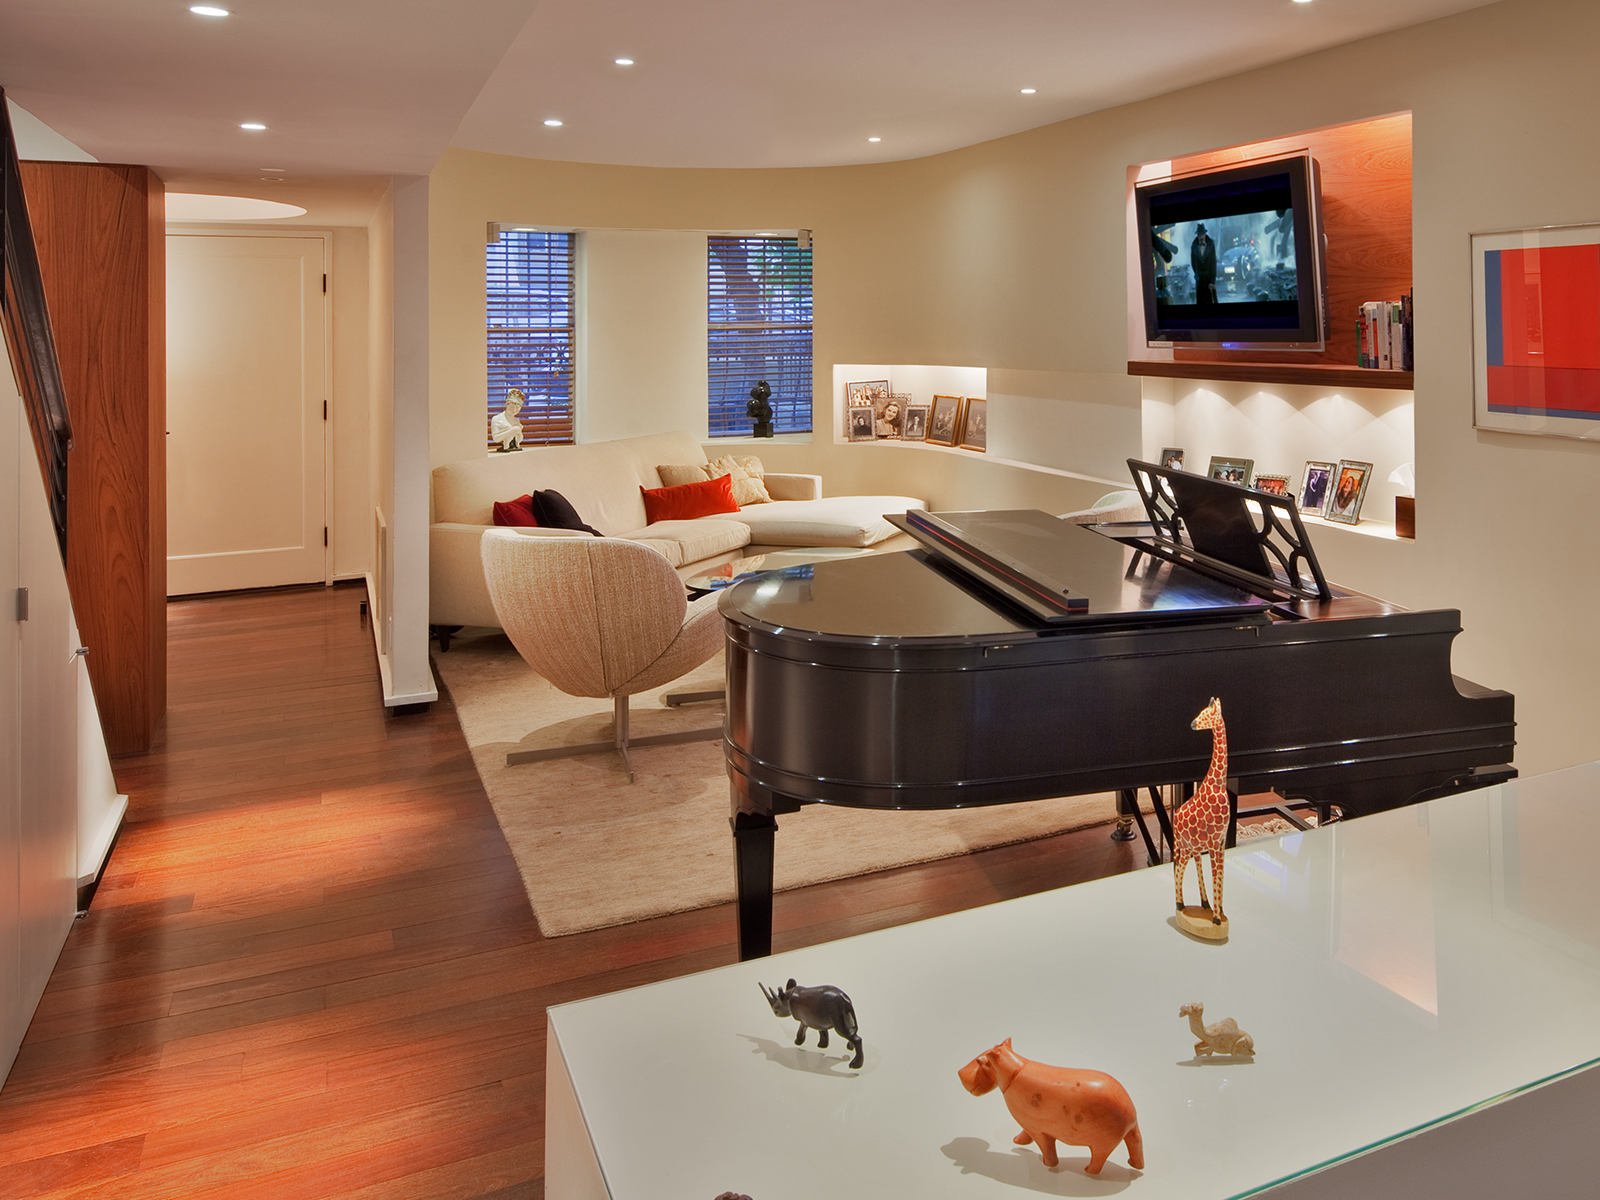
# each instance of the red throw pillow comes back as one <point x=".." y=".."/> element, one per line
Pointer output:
<point x="515" y="512"/>
<point x="689" y="500"/>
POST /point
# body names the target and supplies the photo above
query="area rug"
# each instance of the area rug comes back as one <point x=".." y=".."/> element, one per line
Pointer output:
<point x="594" y="850"/>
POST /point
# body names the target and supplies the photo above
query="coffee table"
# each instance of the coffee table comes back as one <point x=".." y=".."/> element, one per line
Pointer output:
<point x="728" y="573"/>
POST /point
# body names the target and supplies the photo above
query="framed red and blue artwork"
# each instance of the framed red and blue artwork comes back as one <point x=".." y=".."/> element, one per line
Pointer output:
<point x="1536" y="331"/>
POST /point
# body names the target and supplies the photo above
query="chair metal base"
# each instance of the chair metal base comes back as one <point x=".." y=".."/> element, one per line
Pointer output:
<point x="620" y="741"/>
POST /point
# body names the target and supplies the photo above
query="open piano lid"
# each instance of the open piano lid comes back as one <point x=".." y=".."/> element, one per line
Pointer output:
<point x="1232" y="550"/>
<point x="1060" y="574"/>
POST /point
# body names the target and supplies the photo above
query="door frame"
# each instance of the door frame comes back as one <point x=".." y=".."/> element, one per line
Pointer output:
<point x="325" y="236"/>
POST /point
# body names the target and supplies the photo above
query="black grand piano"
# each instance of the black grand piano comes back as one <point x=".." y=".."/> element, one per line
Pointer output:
<point x="1014" y="656"/>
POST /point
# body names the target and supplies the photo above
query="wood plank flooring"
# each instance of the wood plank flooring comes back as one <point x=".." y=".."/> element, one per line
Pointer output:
<point x="311" y="970"/>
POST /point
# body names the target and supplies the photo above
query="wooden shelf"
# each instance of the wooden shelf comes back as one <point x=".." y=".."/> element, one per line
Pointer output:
<point x="1315" y="374"/>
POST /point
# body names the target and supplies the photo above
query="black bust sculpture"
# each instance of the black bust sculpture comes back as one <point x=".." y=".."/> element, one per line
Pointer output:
<point x="759" y="410"/>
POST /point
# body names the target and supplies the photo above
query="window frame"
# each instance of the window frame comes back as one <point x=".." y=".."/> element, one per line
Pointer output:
<point x="550" y="410"/>
<point x="774" y="306"/>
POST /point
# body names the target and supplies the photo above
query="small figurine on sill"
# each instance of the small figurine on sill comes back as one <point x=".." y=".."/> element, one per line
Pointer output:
<point x="505" y="428"/>
<point x="824" y="1009"/>
<point x="1059" y="1104"/>
<point x="759" y="409"/>
<point x="1200" y="826"/>
<point x="1225" y="1037"/>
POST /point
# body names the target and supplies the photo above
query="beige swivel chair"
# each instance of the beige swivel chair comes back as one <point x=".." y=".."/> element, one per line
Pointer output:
<point x="599" y="617"/>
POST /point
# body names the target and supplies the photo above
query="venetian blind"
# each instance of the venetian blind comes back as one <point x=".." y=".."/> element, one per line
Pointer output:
<point x="531" y="331"/>
<point x="759" y="301"/>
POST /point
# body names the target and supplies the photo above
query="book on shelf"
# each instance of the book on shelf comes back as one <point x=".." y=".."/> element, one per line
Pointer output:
<point x="1383" y="335"/>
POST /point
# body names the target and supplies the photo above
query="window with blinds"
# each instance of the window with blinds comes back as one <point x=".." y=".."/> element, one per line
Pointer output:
<point x="759" y="301"/>
<point x="530" y="279"/>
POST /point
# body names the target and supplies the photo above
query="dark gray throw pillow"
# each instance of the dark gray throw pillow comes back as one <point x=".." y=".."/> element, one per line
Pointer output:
<point x="554" y="511"/>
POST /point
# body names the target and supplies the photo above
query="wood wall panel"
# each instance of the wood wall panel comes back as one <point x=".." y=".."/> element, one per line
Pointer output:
<point x="100" y="235"/>
<point x="1366" y="214"/>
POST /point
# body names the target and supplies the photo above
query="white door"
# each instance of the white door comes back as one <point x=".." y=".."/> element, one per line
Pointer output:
<point x="246" y="415"/>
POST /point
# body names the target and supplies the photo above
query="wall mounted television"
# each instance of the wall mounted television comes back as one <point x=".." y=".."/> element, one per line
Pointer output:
<point x="1234" y="257"/>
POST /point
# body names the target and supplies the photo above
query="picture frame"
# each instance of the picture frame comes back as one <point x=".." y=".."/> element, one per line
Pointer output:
<point x="859" y="420"/>
<point x="914" y="428"/>
<point x="1272" y="485"/>
<point x="1535" y="303"/>
<point x="1171" y="458"/>
<point x="871" y="391"/>
<point x="1231" y="470"/>
<point x="889" y="416"/>
<point x="975" y="424"/>
<point x="1348" y="490"/>
<point x="944" y="420"/>
<point x="1314" y="489"/>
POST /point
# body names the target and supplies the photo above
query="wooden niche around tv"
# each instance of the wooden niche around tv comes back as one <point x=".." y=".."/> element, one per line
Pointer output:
<point x="1366" y="215"/>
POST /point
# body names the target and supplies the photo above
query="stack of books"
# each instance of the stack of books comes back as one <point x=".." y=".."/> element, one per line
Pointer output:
<point x="1383" y="334"/>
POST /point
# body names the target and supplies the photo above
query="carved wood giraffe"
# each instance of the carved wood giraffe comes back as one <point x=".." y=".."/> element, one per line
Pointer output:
<point x="1200" y="824"/>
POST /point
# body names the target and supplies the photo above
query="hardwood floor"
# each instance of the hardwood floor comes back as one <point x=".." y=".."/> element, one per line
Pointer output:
<point x="311" y="969"/>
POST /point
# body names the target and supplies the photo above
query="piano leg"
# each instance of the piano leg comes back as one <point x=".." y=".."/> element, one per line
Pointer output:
<point x="753" y="835"/>
<point x="1128" y="809"/>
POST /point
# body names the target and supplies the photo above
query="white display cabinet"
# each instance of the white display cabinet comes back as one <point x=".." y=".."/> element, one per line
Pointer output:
<point x="1411" y="979"/>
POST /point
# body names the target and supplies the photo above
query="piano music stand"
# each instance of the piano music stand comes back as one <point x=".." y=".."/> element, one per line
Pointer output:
<point x="1213" y="526"/>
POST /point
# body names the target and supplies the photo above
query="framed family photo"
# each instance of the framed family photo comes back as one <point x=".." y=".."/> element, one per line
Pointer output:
<point x="1172" y="458"/>
<point x="859" y="420"/>
<point x="873" y="391"/>
<point x="1349" y="490"/>
<point x="1535" y="309"/>
<point x="1314" y="487"/>
<point x="944" y="420"/>
<point x="975" y="425"/>
<point x="890" y="420"/>
<point x="1272" y="485"/>
<point x="915" y="426"/>
<point x="1232" y="470"/>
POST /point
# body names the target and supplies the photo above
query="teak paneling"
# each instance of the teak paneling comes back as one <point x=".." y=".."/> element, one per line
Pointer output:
<point x="100" y="235"/>
<point x="1366" y="215"/>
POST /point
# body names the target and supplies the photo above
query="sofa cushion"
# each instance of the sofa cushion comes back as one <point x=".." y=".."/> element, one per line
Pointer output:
<point x="684" y="502"/>
<point x="515" y="512"/>
<point x="553" y="511"/>
<point x="831" y="521"/>
<point x="689" y="541"/>
<point x="601" y="479"/>
<point x="746" y="473"/>
<point x="676" y="475"/>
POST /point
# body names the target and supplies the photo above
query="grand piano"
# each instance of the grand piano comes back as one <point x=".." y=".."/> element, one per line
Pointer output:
<point x="1013" y="656"/>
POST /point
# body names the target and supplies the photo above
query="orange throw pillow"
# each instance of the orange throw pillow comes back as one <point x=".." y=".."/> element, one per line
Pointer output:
<point x="689" y="500"/>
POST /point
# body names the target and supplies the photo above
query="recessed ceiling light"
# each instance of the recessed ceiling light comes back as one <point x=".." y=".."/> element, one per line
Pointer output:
<point x="553" y="123"/>
<point x="274" y="170"/>
<point x="208" y="10"/>
<point x="251" y="125"/>
<point x="271" y="179"/>
<point x="1029" y="91"/>
<point x="1302" y="1"/>
<point x="874" y="139"/>
<point x="623" y="62"/>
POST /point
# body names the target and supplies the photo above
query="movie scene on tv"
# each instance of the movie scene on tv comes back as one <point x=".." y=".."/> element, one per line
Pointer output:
<point x="1235" y="259"/>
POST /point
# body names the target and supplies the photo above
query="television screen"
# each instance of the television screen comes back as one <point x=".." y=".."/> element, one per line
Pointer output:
<point x="1233" y="257"/>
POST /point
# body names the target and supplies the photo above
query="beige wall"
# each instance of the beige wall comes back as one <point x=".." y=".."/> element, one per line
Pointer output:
<point x="380" y="382"/>
<point x="642" y="328"/>
<point x="1010" y="255"/>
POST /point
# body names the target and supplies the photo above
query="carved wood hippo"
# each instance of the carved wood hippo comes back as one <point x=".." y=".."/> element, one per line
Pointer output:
<point x="1059" y="1104"/>
<point x="822" y="1008"/>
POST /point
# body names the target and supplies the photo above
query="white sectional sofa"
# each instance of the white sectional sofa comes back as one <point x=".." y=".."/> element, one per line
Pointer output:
<point x="602" y="481"/>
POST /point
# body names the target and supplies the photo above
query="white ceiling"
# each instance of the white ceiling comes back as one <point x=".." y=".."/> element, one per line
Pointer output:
<point x="379" y="87"/>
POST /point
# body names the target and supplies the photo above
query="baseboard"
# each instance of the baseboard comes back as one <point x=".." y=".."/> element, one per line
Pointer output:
<point x="92" y="858"/>
<point x="400" y="703"/>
